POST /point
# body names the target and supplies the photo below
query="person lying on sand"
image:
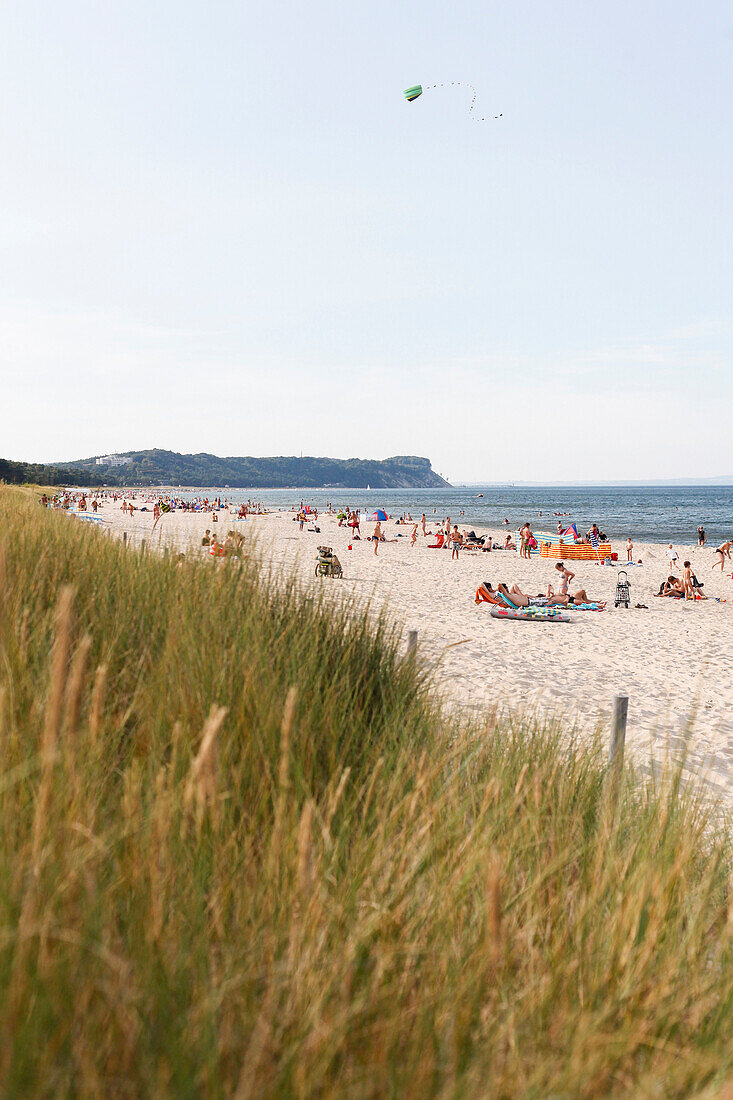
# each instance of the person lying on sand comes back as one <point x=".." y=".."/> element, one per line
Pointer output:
<point x="521" y="599"/>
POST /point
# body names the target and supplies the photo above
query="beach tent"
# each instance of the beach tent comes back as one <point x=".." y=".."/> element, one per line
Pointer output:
<point x="379" y="514"/>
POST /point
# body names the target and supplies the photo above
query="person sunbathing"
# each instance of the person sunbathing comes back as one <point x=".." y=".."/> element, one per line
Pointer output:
<point x="521" y="599"/>
<point x="565" y="576"/>
<point x="486" y="593"/>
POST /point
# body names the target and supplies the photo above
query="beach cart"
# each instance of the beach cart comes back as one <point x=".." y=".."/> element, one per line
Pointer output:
<point x="327" y="564"/>
<point x="623" y="591"/>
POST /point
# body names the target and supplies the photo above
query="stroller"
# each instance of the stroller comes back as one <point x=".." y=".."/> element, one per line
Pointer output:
<point x="327" y="564"/>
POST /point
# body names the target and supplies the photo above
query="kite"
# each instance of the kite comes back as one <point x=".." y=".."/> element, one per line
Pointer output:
<point x="417" y="90"/>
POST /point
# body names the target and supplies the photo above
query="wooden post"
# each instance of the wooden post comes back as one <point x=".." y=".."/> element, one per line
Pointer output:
<point x="618" y="732"/>
<point x="411" y="642"/>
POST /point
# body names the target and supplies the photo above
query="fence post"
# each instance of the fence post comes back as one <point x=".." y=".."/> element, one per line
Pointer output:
<point x="411" y="642"/>
<point x="618" y="732"/>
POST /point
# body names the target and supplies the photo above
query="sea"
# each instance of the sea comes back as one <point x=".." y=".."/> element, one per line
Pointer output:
<point x="660" y="514"/>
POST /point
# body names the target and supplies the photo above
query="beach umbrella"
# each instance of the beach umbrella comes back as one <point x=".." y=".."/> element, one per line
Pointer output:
<point x="380" y="514"/>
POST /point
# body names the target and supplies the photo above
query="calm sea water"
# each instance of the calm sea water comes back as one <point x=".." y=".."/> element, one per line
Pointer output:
<point x="648" y="514"/>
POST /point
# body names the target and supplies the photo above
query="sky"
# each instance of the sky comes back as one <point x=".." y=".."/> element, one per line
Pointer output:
<point x="223" y="229"/>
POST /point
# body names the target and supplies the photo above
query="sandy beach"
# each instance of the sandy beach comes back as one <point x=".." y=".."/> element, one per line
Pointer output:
<point x="672" y="659"/>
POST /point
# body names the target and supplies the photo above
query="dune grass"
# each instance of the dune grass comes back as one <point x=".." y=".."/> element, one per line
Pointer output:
<point x="245" y="855"/>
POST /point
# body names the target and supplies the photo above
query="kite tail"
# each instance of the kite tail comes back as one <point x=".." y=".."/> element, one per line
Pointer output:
<point x="465" y="84"/>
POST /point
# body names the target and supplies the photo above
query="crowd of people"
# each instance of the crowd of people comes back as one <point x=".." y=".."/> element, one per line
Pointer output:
<point x="680" y="582"/>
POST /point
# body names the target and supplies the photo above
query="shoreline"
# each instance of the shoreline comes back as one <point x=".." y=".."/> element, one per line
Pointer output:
<point x="544" y="522"/>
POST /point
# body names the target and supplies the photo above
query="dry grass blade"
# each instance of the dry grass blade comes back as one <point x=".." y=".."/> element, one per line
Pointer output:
<point x="283" y="775"/>
<point x="75" y="685"/>
<point x="201" y="785"/>
<point x="53" y="715"/>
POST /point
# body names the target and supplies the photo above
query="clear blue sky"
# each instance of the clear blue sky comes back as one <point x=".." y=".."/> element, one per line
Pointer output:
<point x="224" y="229"/>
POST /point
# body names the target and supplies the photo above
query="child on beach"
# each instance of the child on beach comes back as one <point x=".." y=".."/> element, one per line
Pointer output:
<point x="629" y="550"/>
<point x="456" y="542"/>
<point x="687" y="581"/>
<point x="413" y="537"/>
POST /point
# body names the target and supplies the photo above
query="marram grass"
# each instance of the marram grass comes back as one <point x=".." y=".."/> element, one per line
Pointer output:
<point x="244" y="855"/>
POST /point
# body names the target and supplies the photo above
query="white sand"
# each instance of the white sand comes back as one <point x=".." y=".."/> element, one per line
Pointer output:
<point x="674" y="660"/>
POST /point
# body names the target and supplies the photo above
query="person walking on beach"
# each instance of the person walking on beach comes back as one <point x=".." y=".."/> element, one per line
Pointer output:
<point x="629" y="550"/>
<point x="722" y="553"/>
<point x="413" y="537"/>
<point x="674" y="560"/>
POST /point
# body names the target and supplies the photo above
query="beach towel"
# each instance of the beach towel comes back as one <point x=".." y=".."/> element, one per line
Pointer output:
<point x="530" y="614"/>
<point x="484" y="596"/>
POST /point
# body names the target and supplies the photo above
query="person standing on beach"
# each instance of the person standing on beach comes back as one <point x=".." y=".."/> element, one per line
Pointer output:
<point x="701" y="535"/>
<point x="674" y="560"/>
<point x="687" y="581"/>
<point x="629" y="550"/>
<point x="455" y="542"/>
<point x="377" y="536"/>
<point x="413" y="537"/>
<point x="423" y="525"/>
